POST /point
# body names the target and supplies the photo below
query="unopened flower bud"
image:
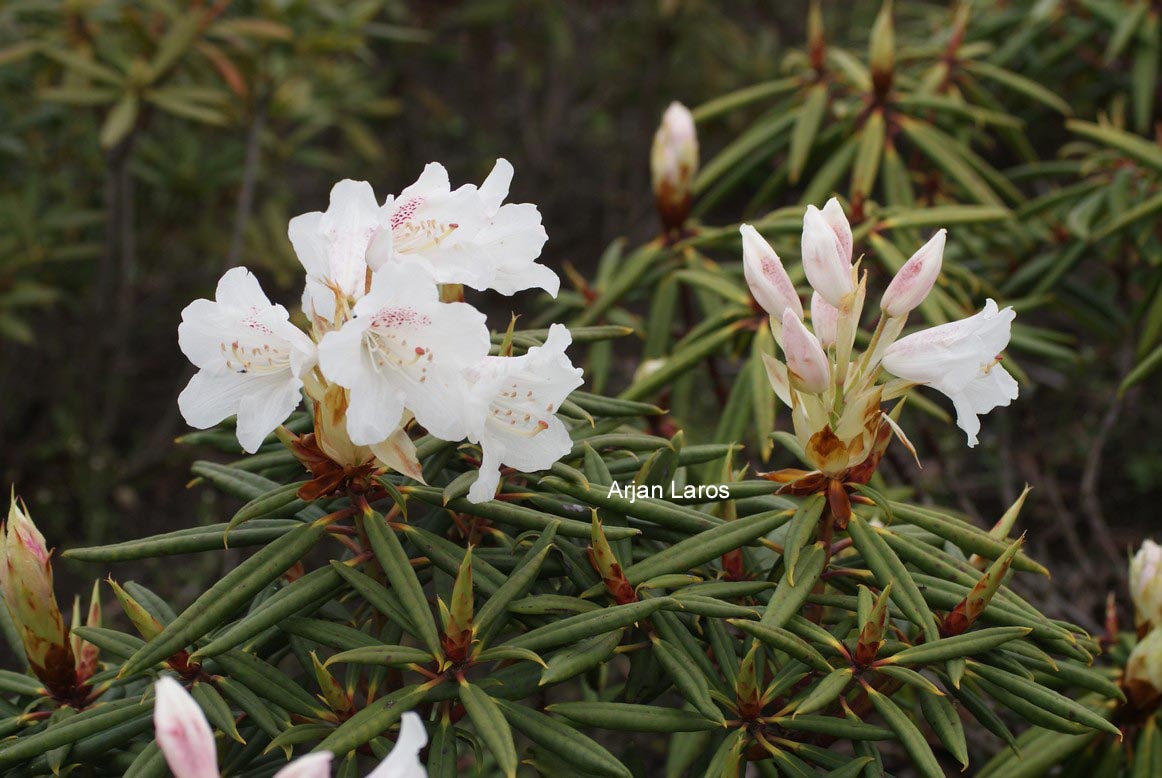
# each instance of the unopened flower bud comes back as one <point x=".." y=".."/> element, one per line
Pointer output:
<point x="1146" y="584"/>
<point x="805" y="358"/>
<point x="824" y="320"/>
<point x="837" y="220"/>
<point x="1143" y="676"/>
<point x="26" y="582"/>
<point x="603" y="560"/>
<point x="882" y="50"/>
<point x="673" y="165"/>
<point x="915" y="279"/>
<point x="765" y="275"/>
<point x="459" y="630"/>
<point x="827" y="253"/>
<point x="183" y="733"/>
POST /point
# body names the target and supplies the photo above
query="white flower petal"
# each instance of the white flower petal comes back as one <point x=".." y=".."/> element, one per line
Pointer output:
<point x="404" y="759"/>
<point x="483" y="488"/>
<point x="183" y="734"/>
<point x="264" y="407"/>
<point x="495" y="187"/>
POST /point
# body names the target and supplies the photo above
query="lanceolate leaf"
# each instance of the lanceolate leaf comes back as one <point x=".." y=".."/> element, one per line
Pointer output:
<point x="491" y="726"/>
<point x="398" y="569"/>
<point x="552" y="734"/>
<point x="226" y="597"/>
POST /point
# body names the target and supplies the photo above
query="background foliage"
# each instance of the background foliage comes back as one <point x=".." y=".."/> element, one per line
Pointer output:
<point x="148" y="146"/>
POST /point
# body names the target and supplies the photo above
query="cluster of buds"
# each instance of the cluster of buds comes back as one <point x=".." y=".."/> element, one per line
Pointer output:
<point x="62" y="662"/>
<point x="1143" y="676"/>
<point x="390" y="342"/>
<point x="835" y="394"/>
<point x="187" y="742"/>
<point x="673" y="165"/>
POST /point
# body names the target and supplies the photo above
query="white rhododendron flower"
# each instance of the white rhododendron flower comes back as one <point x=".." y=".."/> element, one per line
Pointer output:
<point x="403" y="349"/>
<point x="336" y="247"/>
<point x="468" y="235"/>
<point x="962" y="360"/>
<point x="766" y="277"/>
<point x="187" y="742"/>
<point x="512" y="406"/>
<point x="251" y="359"/>
<point x="915" y="279"/>
<point x="1146" y="583"/>
<point x="806" y="361"/>
<point x="826" y="247"/>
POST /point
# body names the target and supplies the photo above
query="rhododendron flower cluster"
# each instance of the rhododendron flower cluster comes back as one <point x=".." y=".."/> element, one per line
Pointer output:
<point x="391" y="342"/>
<point x="835" y="394"/>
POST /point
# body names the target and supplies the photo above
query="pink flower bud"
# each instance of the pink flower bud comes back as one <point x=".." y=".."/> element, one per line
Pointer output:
<point x="26" y="582"/>
<point x="673" y="164"/>
<point x="182" y="732"/>
<point x="805" y="358"/>
<point x="765" y="275"/>
<point x="824" y="320"/>
<point x="836" y="219"/>
<point x="915" y="279"/>
<point x="826" y="254"/>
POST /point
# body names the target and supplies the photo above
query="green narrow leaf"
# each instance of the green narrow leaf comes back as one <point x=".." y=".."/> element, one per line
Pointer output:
<point x="224" y="598"/>
<point x="373" y="720"/>
<point x="398" y="568"/>
<point x="802" y="527"/>
<point x="867" y="157"/>
<point x="788" y="598"/>
<point x="968" y="644"/>
<point x="888" y="569"/>
<point x="810" y="116"/>
<point x="585" y="625"/>
<point x="491" y="725"/>
<point x="688" y="680"/>
<point x="633" y="718"/>
<point x="910" y="737"/>
<point x="578" y="750"/>
<point x="945" y="722"/>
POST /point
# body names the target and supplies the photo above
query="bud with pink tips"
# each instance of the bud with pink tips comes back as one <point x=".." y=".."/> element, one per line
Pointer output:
<point x="183" y="734"/>
<point x="768" y="280"/>
<point x="915" y="279"/>
<point x="826" y="246"/>
<point x="26" y="583"/>
<point x="805" y="358"/>
<point x="824" y="320"/>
